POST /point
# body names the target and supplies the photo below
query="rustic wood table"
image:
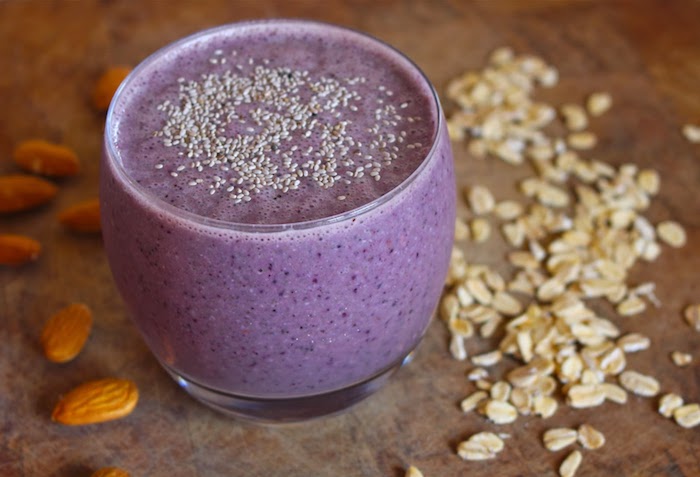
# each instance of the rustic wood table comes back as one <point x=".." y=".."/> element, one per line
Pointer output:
<point x="645" y="52"/>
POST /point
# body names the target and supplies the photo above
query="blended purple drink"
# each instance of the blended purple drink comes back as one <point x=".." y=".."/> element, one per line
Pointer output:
<point x="278" y="207"/>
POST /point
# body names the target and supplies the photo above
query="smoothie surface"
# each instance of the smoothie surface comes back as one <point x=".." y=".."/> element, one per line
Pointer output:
<point x="274" y="123"/>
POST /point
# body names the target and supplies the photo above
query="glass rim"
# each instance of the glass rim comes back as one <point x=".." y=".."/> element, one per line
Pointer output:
<point x="113" y="156"/>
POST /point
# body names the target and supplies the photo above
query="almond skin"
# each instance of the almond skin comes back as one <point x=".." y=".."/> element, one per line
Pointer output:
<point x="107" y="85"/>
<point x="110" y="472"/>
<point x="19" y="192"/>
<point x="82" y="217"/>
<point x="66" y="332"/>
<point x="45" y="158"/>
<point x="97" y="401"/>
<point x="18" y="249"/>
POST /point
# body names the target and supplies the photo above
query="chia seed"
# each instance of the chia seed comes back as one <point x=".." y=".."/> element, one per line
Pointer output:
<point x="281" y="103"/>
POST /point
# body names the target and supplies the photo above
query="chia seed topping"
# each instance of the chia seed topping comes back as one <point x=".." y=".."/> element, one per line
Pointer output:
<point x="243" y="127"/>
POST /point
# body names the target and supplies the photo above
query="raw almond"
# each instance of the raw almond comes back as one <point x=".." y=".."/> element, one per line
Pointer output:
<point x="107" y="85"/>
<point x="97" y="401"/>
<point x="82" y="217"/>
<point x="19" y="192"/>
<point x="18" y="249"/>
<point x="42" y="157"/>
<point x="110" y="472"/>
<point x="66" y="332"/>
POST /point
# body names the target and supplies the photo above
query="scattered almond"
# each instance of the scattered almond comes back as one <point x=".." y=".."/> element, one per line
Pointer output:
<point x="96" y="401"/>
<point x="82" y="217"/>
<point x="66" y="332"/>
<point x="20" y="192"/>
<point x="18" y="249"/>
<point x="107" y="85"/>
<point x="45" y="158"/>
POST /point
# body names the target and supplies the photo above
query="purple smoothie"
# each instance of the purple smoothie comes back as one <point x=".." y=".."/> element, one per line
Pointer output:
<point x="295" y="287"/>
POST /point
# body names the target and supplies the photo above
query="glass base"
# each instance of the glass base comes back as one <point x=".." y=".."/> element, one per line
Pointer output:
<point x="286" y="410"/>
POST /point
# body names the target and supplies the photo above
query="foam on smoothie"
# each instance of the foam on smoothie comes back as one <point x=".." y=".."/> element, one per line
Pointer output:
<point x="384" y="111"/>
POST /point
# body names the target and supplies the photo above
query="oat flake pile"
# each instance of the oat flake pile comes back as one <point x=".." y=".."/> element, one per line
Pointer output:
<point x="575" y="238"/>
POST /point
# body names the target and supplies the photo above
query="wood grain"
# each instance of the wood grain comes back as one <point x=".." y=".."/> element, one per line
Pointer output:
<point x="645" y="52"/>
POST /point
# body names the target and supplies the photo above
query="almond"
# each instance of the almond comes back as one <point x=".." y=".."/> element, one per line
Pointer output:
<point x="110" y="472"/>
<point x="42" y="157"/>
<point x="66" y="332"/>
<point x="107" y="85"/>
<point x="20" y="192"/>
<point x="18" y="249"/>
<point x="97" y="401"/>
<point x="82" y="217"/>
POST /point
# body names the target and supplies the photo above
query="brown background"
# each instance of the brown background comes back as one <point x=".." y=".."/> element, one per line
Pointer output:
<point x="647" y="53"/>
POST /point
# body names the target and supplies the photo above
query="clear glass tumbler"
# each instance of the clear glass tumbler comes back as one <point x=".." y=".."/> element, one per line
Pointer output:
<point x="279" y="321"/>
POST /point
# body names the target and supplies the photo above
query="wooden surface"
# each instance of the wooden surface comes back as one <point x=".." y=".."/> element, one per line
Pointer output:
<point x="646" y="53"/>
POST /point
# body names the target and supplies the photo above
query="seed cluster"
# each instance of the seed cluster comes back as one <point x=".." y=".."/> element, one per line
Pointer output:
<point x="239" y="131"/>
